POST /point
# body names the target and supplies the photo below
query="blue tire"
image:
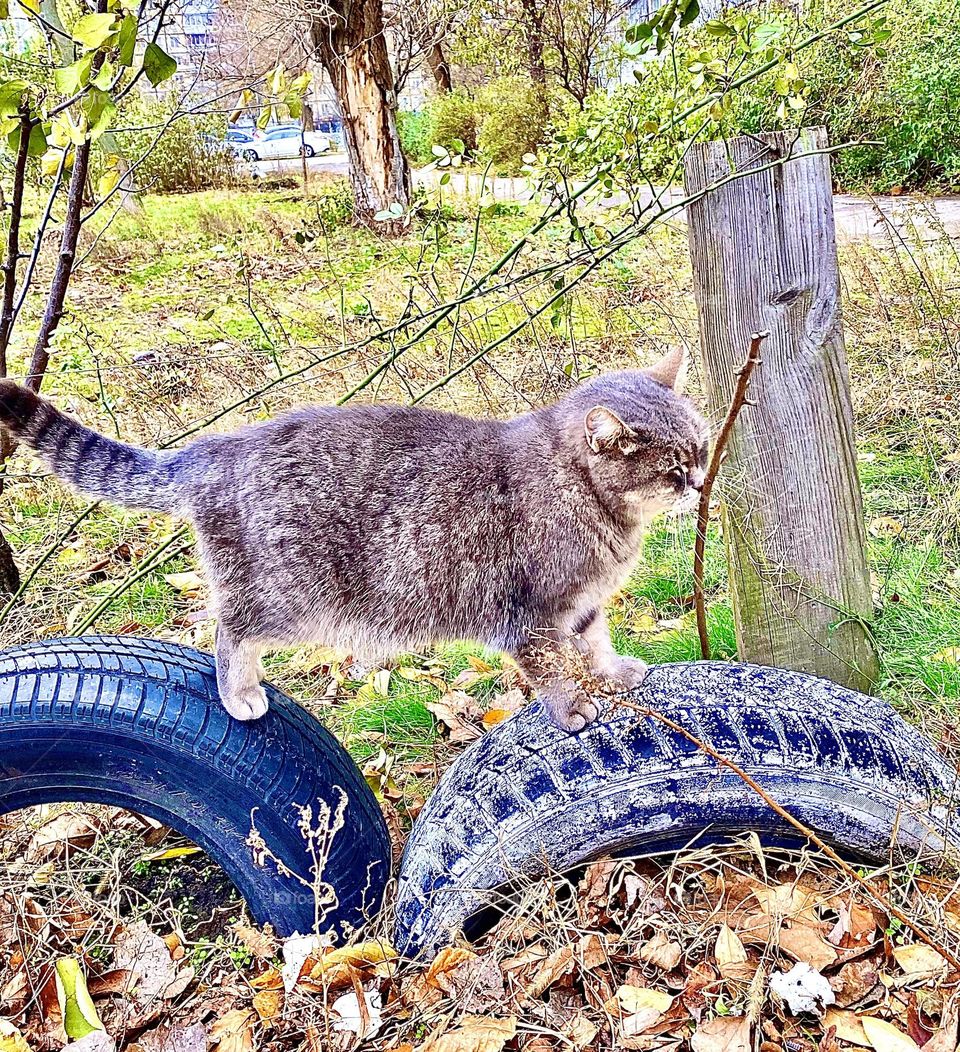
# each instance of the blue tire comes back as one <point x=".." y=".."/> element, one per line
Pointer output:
<point x="138" y="724"/>
<point x="528" y="798"/>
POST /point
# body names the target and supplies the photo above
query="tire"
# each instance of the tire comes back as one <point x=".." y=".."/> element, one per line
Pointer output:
<point x="250" y="155"/>
<point x="307" y="150"/>
<point x="529" y="797"/>
<point x="138" y="724"/>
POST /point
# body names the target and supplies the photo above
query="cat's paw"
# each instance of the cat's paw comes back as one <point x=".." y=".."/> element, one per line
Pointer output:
<point x="570" y="710"/>
<point x="248" y="704"/>
<point x="628" y="673"/>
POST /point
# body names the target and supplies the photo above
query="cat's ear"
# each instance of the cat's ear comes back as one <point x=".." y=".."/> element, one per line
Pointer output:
<point x="603" y="428"/>
<point x="671" y="369"/>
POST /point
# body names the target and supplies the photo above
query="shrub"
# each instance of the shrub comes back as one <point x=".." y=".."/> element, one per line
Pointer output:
<point x="335" y="203"/>
<point x="415" y="129"/>
<point x="182" y="160"/>
<point x="454" y="117"/>
<point x="513" y="120"/>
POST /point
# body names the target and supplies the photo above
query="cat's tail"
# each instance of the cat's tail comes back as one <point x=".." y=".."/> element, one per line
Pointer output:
<point x="95" y="464"/>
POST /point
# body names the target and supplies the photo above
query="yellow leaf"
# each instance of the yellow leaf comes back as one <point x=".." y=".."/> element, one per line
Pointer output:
<point x="479" y="665"/>
<point x="634" y="999"/>
<point x="76" y="1006"/>
<point x="171" y="852"/>
<point x="266" y="1004"/>
<point x="234" y="1031"/>
<point x="886" y="525"/>
<point x="363" y="954"/>
<point x="494" y="716"/>
<point x="184" y="582"/>
<point x="885" y="1037"/>
<point x="108" y="182"/>
<point x="11" y="1040"/>
<point x="949" y="656"/>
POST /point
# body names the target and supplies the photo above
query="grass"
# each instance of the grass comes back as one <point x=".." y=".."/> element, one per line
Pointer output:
<point x="198" y="300"/>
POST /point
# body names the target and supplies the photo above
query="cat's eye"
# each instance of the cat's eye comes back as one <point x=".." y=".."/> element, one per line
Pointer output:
<point x="678" y="477"/>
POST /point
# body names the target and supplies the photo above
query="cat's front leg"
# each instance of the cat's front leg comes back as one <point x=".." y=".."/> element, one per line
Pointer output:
<point x="555" y="666"/>
<point x="239" y="673"/>
<point x="622" y="673"/>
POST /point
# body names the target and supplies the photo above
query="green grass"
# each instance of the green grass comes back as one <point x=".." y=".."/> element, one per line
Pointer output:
<point x="174" y="281"/>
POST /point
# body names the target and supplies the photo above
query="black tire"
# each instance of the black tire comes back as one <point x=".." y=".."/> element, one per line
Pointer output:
<point x="528" y="796"/>
<point x="307" y="150"/>
<point x="250" y="155"/>
<point x="138" y="724"/>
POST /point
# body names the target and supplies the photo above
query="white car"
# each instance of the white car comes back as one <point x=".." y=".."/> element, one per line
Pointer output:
<point x="286" y="140"/>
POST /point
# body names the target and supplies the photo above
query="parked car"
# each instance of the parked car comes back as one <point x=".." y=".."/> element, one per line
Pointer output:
<point x="285" y="140"/>
<point x="238" y="136"/>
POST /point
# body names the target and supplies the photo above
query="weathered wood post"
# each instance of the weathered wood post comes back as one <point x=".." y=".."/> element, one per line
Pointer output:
<point x="764" y="256"/>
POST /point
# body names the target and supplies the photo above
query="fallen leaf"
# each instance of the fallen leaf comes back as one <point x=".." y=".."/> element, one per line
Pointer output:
<point x="11" y="1040"/>
<point x="95" y="1041"/>
<point x="729" y="951"/>
<point x="723" y="1034"/>
<point x="919" y="960"/>
<point x="803" y="988"/>
<point x="233" y="1031"/>
<point x="474" y="1034"/>
<point x="76" y="1006"/>
<point x="153" y="972"/>
<point x="172" y="1039"/>
<point x="264" y="945"/>
<point x="163" y="855"/>
<point x="267" y="1004"/>
<point x="885" y="525"/>
<point x="885" y="1037"/>
<point x="661" y="952"/>
<point x="58" y="836"/>
<point x="946" y="1038"/>
<point x="949" y="656"/>
<point x="189" y="583"/>
<point x="807" y="944"/>
<point x="296" y="950"/>
<point x="848" y="1026"/>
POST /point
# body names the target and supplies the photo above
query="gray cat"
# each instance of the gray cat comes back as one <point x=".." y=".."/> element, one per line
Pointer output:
<point x="380" y="529"/>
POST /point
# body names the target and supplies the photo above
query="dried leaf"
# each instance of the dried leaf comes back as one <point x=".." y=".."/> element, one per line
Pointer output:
<point x="848" y="1026"/>
<point x="153" y="973"/>
<point x="267" y="1004"/>
<point x="233" y="1031"/>
<point x="885" y="1037"/>
<point x="729" y="951"/>
<point x="662" y="953"/>
<point x="723" y="1034"/>
<point x="475" y="1034"/>
<point x="807" y="944"/>
<point x="172" y="1039"/>
<point x="189" y="583"/>
<point x="919" y="961"/>
<point x="264" y="945"/>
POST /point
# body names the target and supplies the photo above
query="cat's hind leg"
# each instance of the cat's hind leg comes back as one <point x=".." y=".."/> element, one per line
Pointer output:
<point x="239" y="673"/>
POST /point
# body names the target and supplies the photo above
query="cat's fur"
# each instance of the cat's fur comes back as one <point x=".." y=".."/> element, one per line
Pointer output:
<point x="381" y="529"/>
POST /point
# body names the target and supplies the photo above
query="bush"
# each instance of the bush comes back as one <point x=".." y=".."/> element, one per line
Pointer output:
<point x="513" y="120"/>
<point x="334" y="203"/>
<point x="415" y="129"/>
<point x="182" y="160"/>
<point x="454" y="117"/>
<point x="443" y="121"/>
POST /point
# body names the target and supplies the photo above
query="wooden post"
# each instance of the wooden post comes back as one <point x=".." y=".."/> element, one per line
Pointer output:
<point x="764" y="257"/>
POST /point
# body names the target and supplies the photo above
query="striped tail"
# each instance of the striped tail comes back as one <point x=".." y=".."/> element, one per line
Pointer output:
<point x="95" y="464"/>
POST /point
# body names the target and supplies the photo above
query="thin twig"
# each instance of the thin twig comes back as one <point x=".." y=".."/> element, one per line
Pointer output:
<point x="737" y="403"/>
<point x="875" y="893"/>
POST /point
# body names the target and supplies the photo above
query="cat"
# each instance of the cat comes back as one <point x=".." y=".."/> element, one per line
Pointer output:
<point x="381" y="529"/>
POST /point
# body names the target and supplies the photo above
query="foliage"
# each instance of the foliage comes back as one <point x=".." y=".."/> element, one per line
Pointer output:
<point x="514" y="120"/>
<point x="415" y="129"/>
<point x="449" y="120"/>
<point x="893" y="78"/>
<point x="179" y="153"/>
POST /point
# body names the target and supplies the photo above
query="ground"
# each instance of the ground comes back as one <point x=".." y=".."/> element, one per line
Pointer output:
<point x="213" y="309"/>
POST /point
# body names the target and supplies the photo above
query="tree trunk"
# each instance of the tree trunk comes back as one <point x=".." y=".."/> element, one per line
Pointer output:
<point x="533" y="18"/>
<point x="353" y="52"/>
<point x="764" y="258"/>
<point x="440" y="68"/>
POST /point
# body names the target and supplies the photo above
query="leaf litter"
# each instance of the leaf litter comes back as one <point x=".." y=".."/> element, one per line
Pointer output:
<point x="726" y="949"/>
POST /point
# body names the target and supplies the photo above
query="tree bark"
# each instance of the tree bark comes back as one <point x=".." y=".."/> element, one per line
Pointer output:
<point x="353" y="51"/>
<point x="764" y="255"/>
<point x="440" y="68"/>
<point x="533" y="20"/>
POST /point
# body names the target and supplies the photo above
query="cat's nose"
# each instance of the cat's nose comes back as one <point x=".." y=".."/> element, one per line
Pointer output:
<point x="696" y="480"/>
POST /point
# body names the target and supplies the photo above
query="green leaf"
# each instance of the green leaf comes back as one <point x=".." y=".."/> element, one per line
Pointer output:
<point x="4" y="9"/>
<point x="76" y="1006"/>
<point x="717" y="28"/>
<point x="100" y="110"/>
<point x="38" y="141"/>
<point x="11" y="95"/>
<point x="33" y="6"/>
<point x="690" y="13"/>
<point x="157" y="64"/>
<point x="93" y="31"/>
<point x="104" y="78"/>
<point x="127" y="40"/>
<point x="70" y="79"/>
